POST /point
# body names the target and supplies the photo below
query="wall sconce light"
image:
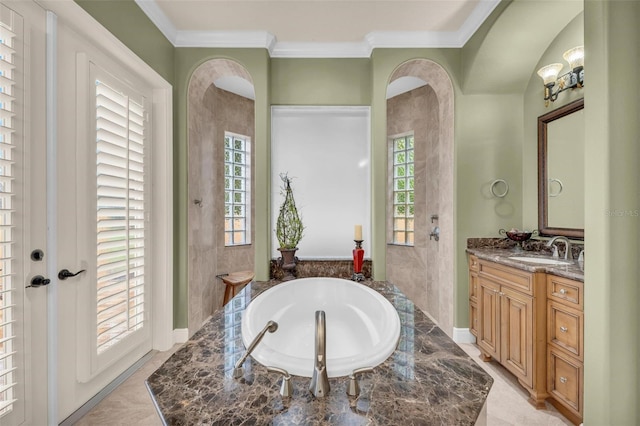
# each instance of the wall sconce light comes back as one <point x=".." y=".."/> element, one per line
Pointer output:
<point x="571" y="80"/>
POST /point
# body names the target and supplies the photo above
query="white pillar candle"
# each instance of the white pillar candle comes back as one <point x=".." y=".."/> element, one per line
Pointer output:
<point x="358" y="233"/>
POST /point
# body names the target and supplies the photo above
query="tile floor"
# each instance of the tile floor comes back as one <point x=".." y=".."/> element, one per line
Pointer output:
<point x="507" y="402"/>
<point x="131" y="404"/>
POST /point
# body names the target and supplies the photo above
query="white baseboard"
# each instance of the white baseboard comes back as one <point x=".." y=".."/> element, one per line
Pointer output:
<point x="463" y="335"/>
<point x="180" y="335"/>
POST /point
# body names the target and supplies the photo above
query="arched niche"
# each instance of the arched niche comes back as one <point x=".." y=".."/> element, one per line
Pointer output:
<point x="425" y="270"/>
<point x="220" y="99"/>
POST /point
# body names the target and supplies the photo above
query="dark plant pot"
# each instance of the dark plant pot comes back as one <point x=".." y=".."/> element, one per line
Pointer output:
<point x="288" y="262"/>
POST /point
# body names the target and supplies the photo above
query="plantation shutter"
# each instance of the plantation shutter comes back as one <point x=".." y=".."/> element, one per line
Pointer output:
<point x="120" y="135"/>
<point x="8" y="141"/>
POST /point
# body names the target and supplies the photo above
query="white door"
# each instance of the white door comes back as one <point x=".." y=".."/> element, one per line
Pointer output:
<point x="74" y="194"/>
<point x="103" y="218"/>
<point x="23" y="308"/>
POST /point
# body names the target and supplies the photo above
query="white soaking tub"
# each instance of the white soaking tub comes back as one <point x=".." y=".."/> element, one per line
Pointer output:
<point x="362" y="327"/>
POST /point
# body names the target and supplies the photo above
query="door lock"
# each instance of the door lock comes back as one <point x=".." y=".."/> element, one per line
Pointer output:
<point x="37" y="255"/>
<point x="39" y="281"/>
<point x="65" y="273"/>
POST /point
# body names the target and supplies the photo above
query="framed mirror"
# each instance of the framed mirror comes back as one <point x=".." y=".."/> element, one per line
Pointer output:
<point x="561" y="171"/>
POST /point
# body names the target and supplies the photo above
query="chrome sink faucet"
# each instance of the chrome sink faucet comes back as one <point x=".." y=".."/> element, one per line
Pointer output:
<point x="567" y="246"/>
<point x="319" y="386"/>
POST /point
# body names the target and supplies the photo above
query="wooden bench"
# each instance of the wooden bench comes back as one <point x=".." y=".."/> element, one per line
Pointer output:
<point x="234" y="282"/>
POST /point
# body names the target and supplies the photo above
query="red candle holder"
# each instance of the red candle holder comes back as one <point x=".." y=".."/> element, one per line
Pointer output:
<point x="358" y="257"/>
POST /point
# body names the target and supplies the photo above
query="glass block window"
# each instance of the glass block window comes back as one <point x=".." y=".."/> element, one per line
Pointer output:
<point x="237" y="189"/>
<point x="403" y="190"/>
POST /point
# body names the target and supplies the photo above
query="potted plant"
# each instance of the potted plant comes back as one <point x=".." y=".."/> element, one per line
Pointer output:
<point x="289" y="227"/>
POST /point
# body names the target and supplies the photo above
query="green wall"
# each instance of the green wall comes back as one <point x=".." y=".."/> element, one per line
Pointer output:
<point x="488" y="147"/>
<point x="125" y="20"/>
<point x="320" y="82"/>
<point x="612" y="204"/>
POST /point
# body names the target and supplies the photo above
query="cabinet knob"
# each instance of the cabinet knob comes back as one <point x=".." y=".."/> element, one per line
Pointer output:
<point x="563" y="380"/>
<point x="564" y="329"/>
<point x="563" y="291"/>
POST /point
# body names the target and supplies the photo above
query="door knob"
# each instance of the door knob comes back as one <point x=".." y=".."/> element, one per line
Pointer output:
<point x="39" y="281"/>
<point x="65" y="273"/>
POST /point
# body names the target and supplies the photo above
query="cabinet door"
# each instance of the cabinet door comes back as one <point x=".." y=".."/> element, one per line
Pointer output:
<point x="517" y="334"/>
<point x="565" y="380"/>
<point x="489" y="317"/>
<point x="564" y="328"/>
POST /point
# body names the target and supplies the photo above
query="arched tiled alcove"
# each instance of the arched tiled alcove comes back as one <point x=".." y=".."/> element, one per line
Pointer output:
<point x="425" y="271"/>
<point x="213" y="109"/>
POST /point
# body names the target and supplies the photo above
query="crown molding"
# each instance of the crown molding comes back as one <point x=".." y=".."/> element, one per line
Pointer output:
<point x="157" y="16"/>
<point x="363" y="49"/>
<point x="475" y="19"/>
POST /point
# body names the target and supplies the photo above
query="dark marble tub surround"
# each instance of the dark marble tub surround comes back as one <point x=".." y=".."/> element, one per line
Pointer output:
<point x="338" y="268"/>
<point x="500" y="252"/>
<point x="427" y="380"/>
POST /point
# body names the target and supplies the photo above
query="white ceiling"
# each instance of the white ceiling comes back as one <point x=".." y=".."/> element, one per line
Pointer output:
<point x="318" y="28"/>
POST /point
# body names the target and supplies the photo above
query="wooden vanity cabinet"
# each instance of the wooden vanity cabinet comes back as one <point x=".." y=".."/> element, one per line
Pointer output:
<point x="565" y="346"/>
<point x="511" y="323"/>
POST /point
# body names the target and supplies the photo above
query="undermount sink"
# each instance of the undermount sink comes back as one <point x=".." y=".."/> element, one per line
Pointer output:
<point x="362" y="327"/>
<point x="540" y="260"/>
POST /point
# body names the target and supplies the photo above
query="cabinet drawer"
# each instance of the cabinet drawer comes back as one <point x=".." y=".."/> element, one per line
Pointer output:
<point x="565" y="380"/>
<point x="565" y="291"/>
<point x="473" y="263"/>
<point x="515" y="278"/>
<point x="473" y="286"/>
<point x="473" y="318"/>
<point x="565" y="328"/>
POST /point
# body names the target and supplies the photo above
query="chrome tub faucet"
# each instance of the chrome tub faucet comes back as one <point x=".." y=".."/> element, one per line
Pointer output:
<point x="319" y="386"/>
<point x="238" y="371"/>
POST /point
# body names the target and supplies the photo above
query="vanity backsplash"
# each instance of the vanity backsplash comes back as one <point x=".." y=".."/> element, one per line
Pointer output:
<point x="533" y="245"/>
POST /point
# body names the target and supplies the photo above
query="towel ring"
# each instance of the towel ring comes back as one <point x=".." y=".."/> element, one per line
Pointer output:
<point x="559" y="182"/>
<point x="493" y="188"/>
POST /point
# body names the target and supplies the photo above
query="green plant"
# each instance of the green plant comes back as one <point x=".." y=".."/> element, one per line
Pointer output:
<point x="289" y="227"/>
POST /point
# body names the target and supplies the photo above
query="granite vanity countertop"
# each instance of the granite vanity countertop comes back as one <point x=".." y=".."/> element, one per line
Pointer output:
<point x="428" y="380"/>
<point x="574" y="270"/>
